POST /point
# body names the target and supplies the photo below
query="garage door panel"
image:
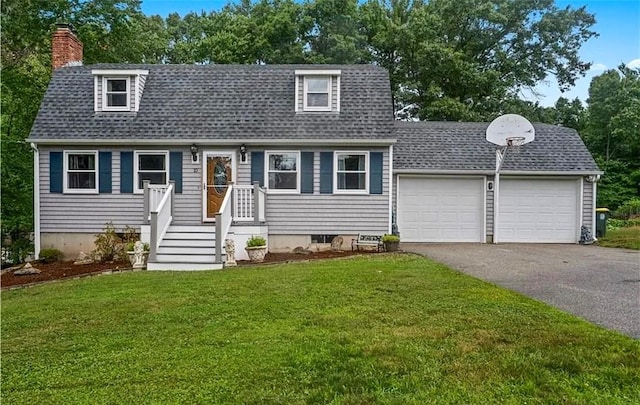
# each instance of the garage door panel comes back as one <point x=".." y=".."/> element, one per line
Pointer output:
<point x="538" y="210"/>
<point x="441" y="209"/>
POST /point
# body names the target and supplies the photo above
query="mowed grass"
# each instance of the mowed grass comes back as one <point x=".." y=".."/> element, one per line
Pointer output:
<point x="395" y="329"/>
<point x="627" y="238"/>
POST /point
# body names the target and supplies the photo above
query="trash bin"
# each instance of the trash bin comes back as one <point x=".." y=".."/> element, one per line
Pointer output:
<point x="602" y="215"/>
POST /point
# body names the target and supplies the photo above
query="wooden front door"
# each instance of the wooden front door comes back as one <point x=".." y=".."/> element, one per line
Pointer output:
<point x="219" y="173"/>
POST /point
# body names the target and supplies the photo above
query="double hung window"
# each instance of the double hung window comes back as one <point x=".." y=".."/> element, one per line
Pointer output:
<point x="152" y="166"/>
<point x="351" y="172"/>
<point x="283" y="172"/>
<point x="81" y="172"/>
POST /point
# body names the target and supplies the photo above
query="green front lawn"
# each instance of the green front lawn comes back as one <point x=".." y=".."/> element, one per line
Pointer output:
<point x="627" y="238"/>
<point x="377" y="329"/>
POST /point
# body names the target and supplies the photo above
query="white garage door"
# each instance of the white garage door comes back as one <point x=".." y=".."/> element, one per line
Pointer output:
<point x="538" y="210"/>
<point x="441" y="209"/>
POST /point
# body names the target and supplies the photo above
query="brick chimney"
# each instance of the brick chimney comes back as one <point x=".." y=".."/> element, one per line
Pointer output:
<point x="66" y="48"/>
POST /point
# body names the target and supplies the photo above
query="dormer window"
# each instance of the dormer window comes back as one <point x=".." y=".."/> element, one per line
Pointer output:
<point x="117" y="93"/>
<point x="317" y="90"/>
<point x="118" y="89"/>
<point x="317" y="93"/>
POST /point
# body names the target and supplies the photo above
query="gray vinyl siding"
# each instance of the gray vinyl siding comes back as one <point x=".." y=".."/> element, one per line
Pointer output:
<point x="141" y="81"/>
<point x="587" y="203"/>
<point x="88" y="213"/>
<point x="489" y="212"/>
<point x="286" y="213"/>
<point x="334" y="93"/>
<point x="305" y="214"/>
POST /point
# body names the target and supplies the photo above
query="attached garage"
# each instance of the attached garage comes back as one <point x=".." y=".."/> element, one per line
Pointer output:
<point x="441" y="209"/>
<point x="538" y="210"/>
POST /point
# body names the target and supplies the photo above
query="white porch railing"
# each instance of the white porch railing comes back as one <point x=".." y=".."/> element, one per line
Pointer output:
<point x="224" y="218"/>
<point x="158" y="207"/>
<point x="248" y="203"/>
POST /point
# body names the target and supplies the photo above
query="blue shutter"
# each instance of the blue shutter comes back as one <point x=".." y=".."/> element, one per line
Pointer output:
<point x="306" y="183"/>
<point x="257" y="167"/>
<point x="104" y="163"/>
<point x="126" y="172"/>
<point x="375" y="167"/>
<point x="175" y="169"/>
<point x="55" y="172"/>
<point x="326" y="172"/>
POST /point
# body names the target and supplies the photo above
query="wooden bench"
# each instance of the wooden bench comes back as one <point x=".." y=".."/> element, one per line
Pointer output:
<point x="366" y="240"/>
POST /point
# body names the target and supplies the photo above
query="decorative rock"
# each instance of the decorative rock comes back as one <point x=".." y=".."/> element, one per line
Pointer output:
<point x="28" y="269"/>
<point x="230" y="248"/>
<point x="83" y="258"/>
<point x="336" y="244"/>
<point x="301" y="251"/>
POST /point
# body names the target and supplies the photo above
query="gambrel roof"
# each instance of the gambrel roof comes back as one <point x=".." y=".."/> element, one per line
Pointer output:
<point x="216" y="102"/>
<point x="430" y="146"/>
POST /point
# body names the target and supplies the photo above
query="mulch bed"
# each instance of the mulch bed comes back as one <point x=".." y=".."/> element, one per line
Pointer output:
<point x="59" y="270"/>
<point x="62" y="270"/>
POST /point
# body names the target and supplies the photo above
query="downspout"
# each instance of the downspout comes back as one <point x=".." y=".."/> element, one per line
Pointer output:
<point x="496" y="195"/>
<point x="36" y="200"/>
<point x="390" y="230"/>
<point x="593" y="207"/>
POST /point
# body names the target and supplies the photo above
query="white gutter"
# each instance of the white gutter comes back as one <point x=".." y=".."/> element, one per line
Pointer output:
<point x="390" y="190"/>
<point x="492" y="171"/>
<point x="36" y="200"/>
<point x="214" y="142"/>
<point x="441" y="172"/>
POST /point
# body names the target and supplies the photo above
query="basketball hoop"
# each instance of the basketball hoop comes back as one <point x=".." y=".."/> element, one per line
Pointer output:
<point x="515" y="142"/>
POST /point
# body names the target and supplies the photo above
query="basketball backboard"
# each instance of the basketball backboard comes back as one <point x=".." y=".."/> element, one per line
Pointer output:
<point x="510" y="130"/>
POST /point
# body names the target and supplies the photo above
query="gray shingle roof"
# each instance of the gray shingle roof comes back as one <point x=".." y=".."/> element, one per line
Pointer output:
<point x="216" y="102"/>
<point x="441" y="146"/>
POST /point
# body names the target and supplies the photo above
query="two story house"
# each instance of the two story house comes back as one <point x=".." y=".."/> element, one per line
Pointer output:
<point x="191" y="155"/>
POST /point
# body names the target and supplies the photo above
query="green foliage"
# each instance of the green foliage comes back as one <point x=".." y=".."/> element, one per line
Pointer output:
<point x="109" y="246"/>
<point x="390" y="238"/>
<point x="50" y="255"/>
<point x="17" y="251"/>
<point x="256" y="241"/>
<point x="615" y="223"/>
<point x="630" y="209"/>
<point x="397" y="329"/>
<point x="627" y="237"/>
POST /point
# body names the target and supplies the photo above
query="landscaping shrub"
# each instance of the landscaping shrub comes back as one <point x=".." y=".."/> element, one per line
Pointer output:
<point x="50" y="255"/>
<point x="628" y="210"/>
<point x="109" y="245"/>
<point x="256" y="241"/>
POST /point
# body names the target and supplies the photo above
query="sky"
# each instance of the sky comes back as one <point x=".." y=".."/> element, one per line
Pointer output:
<point x="617" y="23"/>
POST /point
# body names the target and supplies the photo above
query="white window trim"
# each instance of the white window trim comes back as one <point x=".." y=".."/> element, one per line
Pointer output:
<point x="266" y="172"/>
<point x="136" y="161"/>
<point x="65" y="173"/>
<point x="106" y="107"/>
<point x="306" y="107"/>
<point x="367" y="172"/>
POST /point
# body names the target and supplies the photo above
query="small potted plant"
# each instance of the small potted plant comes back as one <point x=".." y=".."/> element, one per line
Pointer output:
<point x="256" y="248"/>
<point x="391" y="242"/>
<point x="138" y="253"/>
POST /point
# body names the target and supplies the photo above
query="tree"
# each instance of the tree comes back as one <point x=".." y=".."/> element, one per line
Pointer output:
<point x="111" y="31"/>
<point x="612" y="133"/>
<point x="462" y="59"/>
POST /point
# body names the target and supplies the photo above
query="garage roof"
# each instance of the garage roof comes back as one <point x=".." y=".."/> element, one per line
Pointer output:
<point x="461" y="146"/>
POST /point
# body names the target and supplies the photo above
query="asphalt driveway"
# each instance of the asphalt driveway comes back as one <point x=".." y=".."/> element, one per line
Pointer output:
<point x="599" y="284"/>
